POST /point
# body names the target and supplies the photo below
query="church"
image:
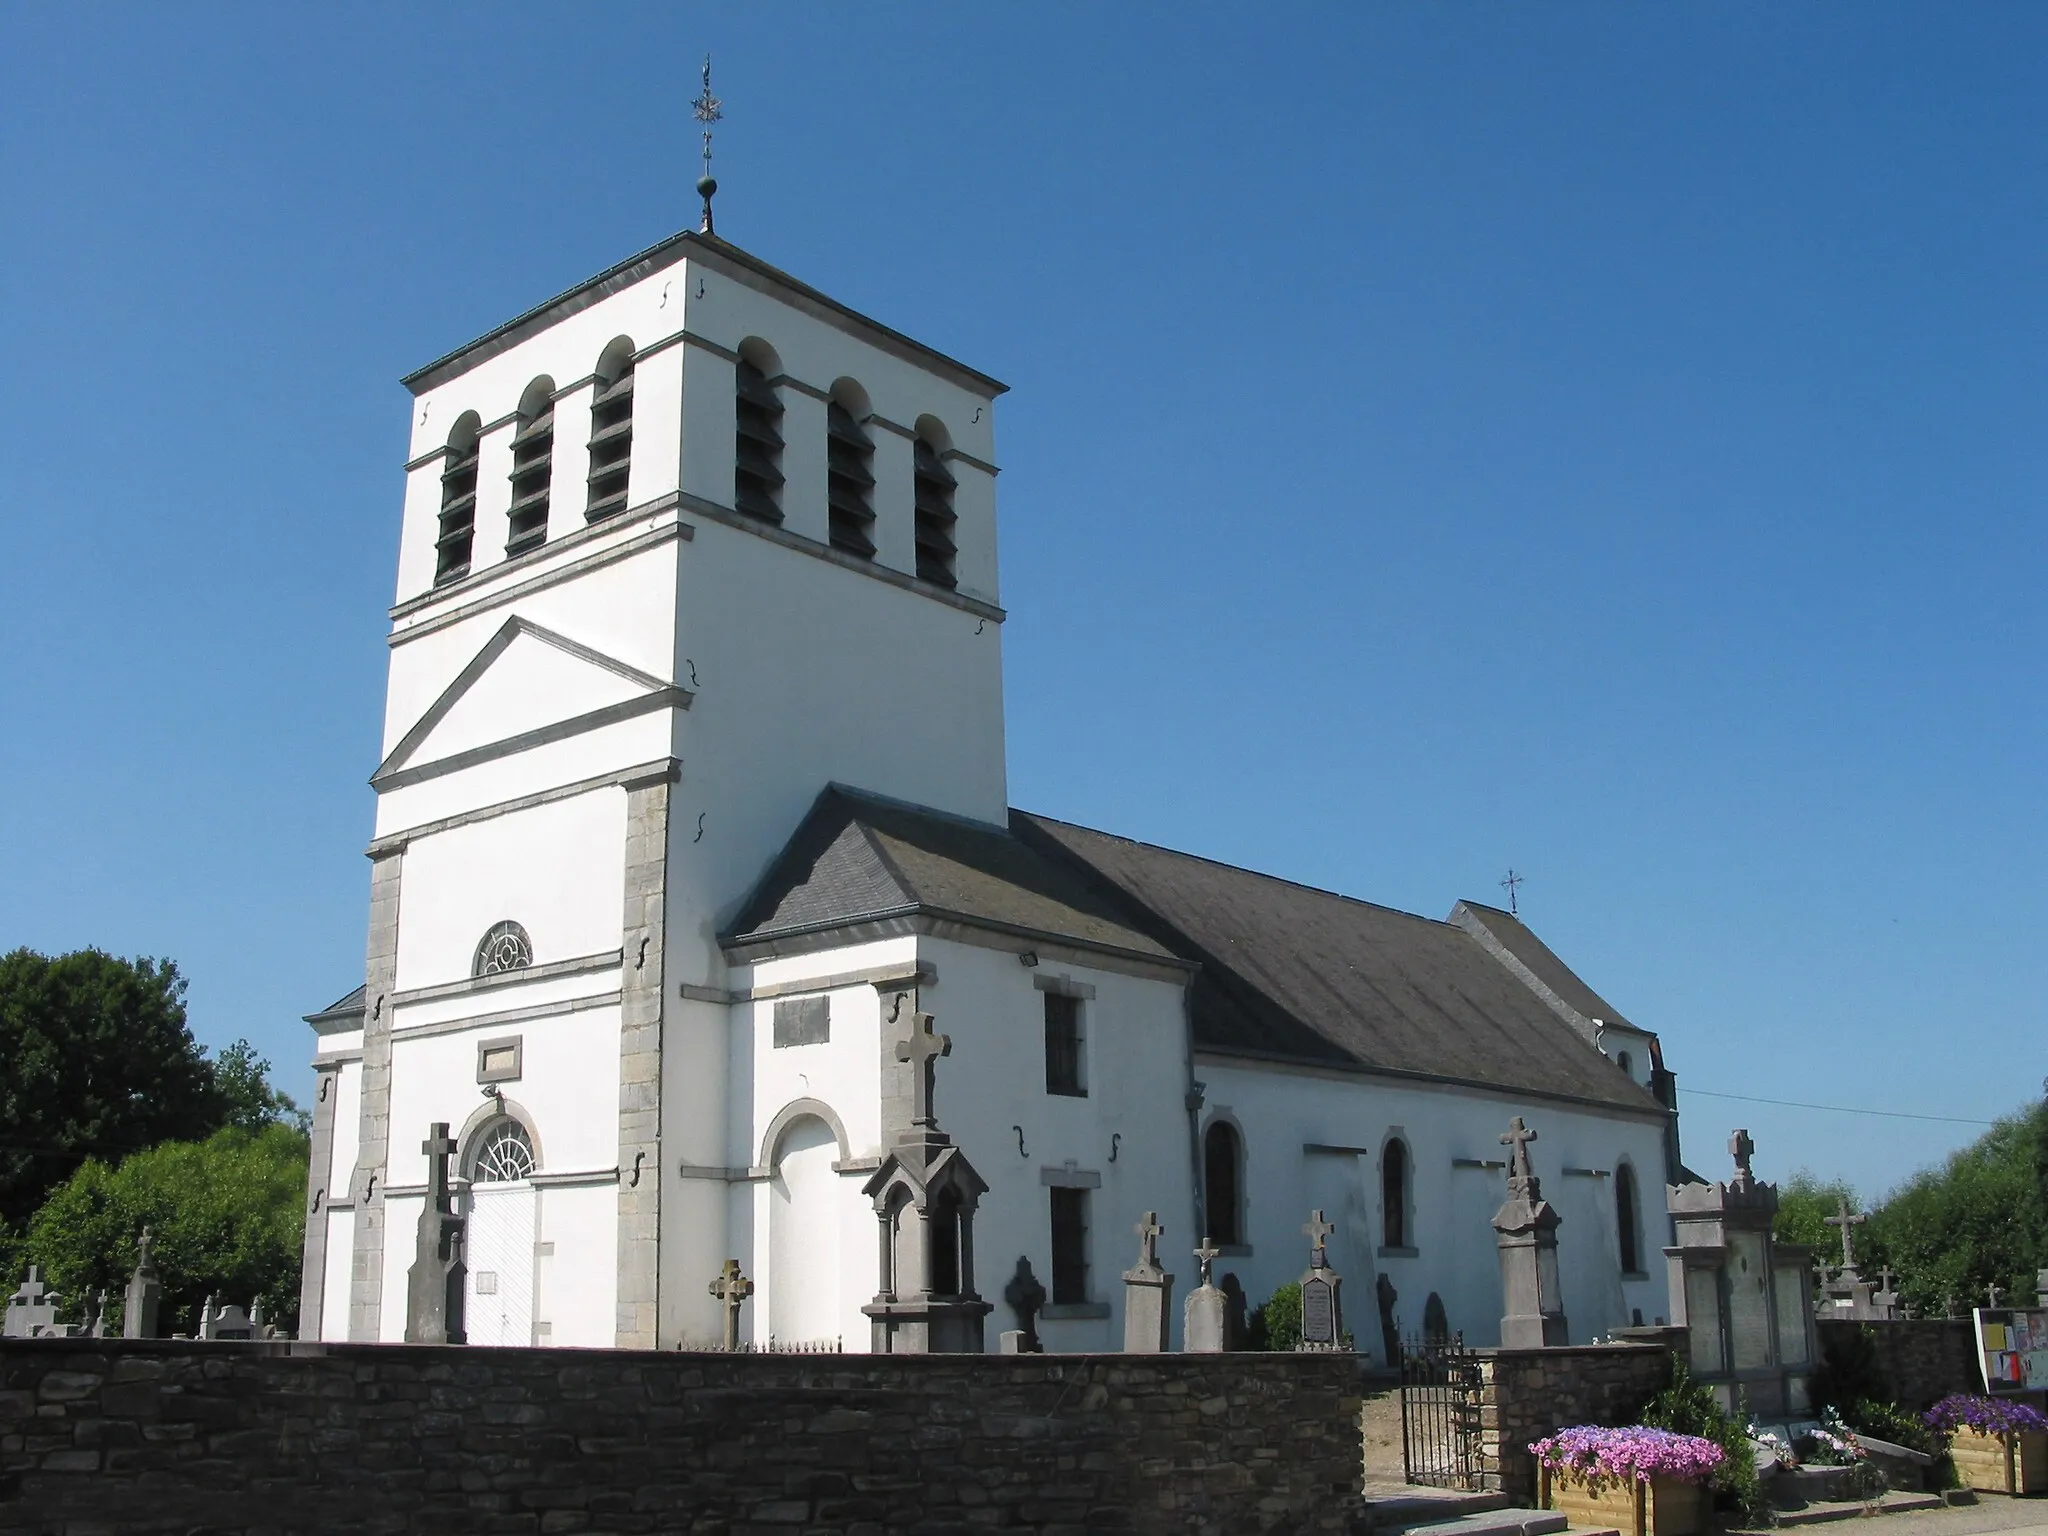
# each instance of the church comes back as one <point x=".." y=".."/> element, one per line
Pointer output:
<point x="704" y="942"/>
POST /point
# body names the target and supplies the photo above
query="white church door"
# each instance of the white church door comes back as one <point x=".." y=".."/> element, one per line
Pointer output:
<point x="803" y="1236"/>
<point x="498" y="1295"/>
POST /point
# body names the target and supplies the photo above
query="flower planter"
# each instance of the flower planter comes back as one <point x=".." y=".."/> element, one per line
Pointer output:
<point x="2016" y="1462"/>
<point x="1663" y="1506"/>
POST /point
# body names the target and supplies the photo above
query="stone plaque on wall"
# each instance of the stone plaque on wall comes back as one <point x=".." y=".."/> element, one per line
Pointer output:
<point x="1791" y="1292"/>
<point x="1703" y="1312"/>
<point x="1749" y="1301"/>
<point x="803" y="1021"/>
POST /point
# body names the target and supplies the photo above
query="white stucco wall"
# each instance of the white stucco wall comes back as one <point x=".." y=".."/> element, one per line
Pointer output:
<point x="1294" y="1124"/>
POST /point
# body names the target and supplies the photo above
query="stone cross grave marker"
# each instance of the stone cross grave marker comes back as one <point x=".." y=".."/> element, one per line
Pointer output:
<point x="732" y="1288"/>
<point x="1517" y="1139"/>
<point x="921" y="1050"/>
<point x="434" y="1286"/>
<point x="1848" y="1223"/>
<point x="1205" y="1321"/>
<point x="144" y="1294"/>
<point x="1994" y="1292"/>
<point x="1742" y="1149"/>
<point x="1025" y="1296"/>
<point x="1206" y="1255"/>
<point x="32" y="1308"/>
<point x="1322" y="1318"/>
<point x="1147" y="1289"/>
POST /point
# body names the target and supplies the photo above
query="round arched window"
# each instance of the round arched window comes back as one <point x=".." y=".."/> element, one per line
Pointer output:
<point x="504" y="948"/>
<point x="505" y="1155"/>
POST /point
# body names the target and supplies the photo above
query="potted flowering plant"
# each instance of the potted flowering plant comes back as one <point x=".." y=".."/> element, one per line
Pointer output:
<point x="1998" y="1445"/>
<point x="1641" y="1481"/>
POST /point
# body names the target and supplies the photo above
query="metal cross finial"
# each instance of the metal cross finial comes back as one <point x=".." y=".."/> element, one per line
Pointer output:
<point x="1742" y="1149"/>
<point x="707" y="109"/>
<point x="731" y="1288"/>
<point x="1511" y="884"/>
<point x="921" y="1050"/>
<point x="1149" y="1231"/>
<point x="1846" y="1222"/>
<point x="1318" y="1231"/>
<point x="1517" y="1138"/>
<point x="1206" y="1255"/>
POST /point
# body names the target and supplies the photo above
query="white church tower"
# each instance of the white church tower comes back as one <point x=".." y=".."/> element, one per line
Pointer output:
<point x="680" y="546"/>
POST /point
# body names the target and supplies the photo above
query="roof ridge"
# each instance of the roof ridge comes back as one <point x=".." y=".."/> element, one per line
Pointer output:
<point x="1199" y="858"/>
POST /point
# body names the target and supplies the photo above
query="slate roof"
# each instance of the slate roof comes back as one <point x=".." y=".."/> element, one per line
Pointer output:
<point x="1294" y="974"/>
<point x="862" y="858"/>
<point x="1513" y="935"/>
<point x="344" y="1008"/>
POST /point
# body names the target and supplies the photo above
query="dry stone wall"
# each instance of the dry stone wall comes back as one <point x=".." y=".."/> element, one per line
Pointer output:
<point x="241" y="1439"/>
<point x="1923" y="1359"/>
<point x="1526" y="1394"/>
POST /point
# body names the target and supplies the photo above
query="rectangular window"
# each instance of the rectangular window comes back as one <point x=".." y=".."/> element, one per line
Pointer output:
<point x="803" y="1021"/>
<point x="1063" y="1045"/>
<point x="1069" y="1246"/>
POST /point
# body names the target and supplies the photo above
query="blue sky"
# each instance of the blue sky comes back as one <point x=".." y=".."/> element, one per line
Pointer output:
<point x="1599" y="440"/>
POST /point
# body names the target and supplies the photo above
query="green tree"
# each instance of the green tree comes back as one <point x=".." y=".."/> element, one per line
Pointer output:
<point x="1804" y="1205"/>
<point x="227" y="1215"/>
<point x="99" y="1062"/>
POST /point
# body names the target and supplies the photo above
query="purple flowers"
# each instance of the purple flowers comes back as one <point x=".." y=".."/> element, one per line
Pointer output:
<point x="1986" y="1415"/>
<point x="1635" y="1454"/>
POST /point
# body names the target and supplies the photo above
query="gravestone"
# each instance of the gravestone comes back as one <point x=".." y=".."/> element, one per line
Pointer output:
<point x="144" y="1294"/>
<point x="96" y="1316"/>
<point x="1025" y="1296"/>
<point x="32" y="1310"/>
<point x="731" y="1289"/>
<point x="1525" y="1230"/>
<point x="925" y="1193"/>
<point x="1205" y="1322"/>
<point x="226" y="1322"/>
<point x="434" y="1285"/>
<point x="1846" y="1295"/>
<point x="1745" y="1300"/>
<point x="1147" y="1291"/>
<point x="1322" y="1303"/>
<point x="1436" y="1323"/>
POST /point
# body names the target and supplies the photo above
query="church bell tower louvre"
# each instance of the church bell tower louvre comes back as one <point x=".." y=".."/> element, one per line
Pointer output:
<point x="680" y="547"/>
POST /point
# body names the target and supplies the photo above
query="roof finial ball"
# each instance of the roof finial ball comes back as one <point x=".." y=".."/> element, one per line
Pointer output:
<point x="706" y="110"/>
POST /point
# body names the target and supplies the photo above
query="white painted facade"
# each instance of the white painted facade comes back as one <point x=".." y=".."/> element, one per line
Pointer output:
<point x="737" y="668"/>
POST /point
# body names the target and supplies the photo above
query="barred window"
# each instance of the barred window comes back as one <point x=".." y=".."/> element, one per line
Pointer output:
<point x="849" y="482"/>
<point x="757" y="444"/>
<point x="505" y="1155"/>
<point x="1063" y="1045"/>
<point x="533" y="465"/>
<point x="934" y="516"/>
<point x="504" y="948"/>
<point x="458" y="501"/>
<point x="611" y="432"/>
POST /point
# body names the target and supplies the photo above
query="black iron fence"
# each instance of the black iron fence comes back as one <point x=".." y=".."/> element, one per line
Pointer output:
<point x="1440" y="1393"/>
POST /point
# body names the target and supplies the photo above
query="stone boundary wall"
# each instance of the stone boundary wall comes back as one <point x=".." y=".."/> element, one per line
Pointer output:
<point x="1923" y="1359"/>
<point x="247" y="1438"/>
<point x="1526" y="1394"/>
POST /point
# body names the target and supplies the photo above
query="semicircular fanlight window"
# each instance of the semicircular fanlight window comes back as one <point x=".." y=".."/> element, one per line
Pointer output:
<point x="506" y="1155"/>
<point x="505" y="948"/>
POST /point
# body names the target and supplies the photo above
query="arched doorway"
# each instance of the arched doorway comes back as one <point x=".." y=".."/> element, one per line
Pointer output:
<point x="498" y="1297"/>
<point x="803" y="1235"/>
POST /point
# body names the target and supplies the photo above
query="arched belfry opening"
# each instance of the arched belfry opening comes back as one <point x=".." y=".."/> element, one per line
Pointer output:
<point x="925" y="1194"/>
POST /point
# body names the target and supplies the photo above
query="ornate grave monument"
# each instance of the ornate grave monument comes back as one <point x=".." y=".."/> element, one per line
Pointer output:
<point x="1322" y="1301"/>
<point x="144" y="1295"/>
<point x="1025" y="1296"/>
<point x="1745" y="1299"/>
<point x="1205" y="1325"/>
<point x="434" y="1284"/>
<point x="1148" y="1290"/>
<point x="1526" y="1231"/>
<point x="925" y="1193"/>
<point x="1845" y="1294"/>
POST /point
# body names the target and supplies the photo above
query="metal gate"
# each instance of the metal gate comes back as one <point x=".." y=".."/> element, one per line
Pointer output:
<point x="1440" y="1412"/>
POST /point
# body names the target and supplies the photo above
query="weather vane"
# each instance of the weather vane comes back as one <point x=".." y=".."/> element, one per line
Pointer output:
<point x="706" y="110"/>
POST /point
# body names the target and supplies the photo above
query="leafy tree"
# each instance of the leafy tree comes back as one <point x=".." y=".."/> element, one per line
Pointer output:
<point x="227" y="1215"/>
<point x="1804" y="1205"/>
<point x="100" y="1063"/>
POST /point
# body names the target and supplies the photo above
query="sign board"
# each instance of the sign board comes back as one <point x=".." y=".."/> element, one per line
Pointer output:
<point x="2012" y="1349"/>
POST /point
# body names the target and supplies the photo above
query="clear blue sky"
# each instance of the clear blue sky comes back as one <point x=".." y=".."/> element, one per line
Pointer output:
<point x="1600" y="440"/>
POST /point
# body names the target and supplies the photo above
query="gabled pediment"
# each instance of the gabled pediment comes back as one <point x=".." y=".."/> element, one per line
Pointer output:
<point x="526" y="687"/>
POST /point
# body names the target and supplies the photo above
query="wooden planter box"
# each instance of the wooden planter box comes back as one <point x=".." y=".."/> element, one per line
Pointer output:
<point x="1995" y="1464"/>
<point x="1660" y="1507"/>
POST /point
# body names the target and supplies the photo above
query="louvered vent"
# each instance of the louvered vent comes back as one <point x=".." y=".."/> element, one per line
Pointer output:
<point x="533" y="466"/>
<point x="849" y="482"/>
<point x="458" y="514"/>
<point x="611" y="445"/>
<point x="757" y="445"/>
<point x="934" y="518"/>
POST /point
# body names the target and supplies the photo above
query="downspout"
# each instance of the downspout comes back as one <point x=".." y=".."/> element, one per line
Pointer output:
<point x="1192" y="1100"/>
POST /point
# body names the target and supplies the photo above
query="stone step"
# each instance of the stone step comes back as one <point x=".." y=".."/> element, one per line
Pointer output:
<point x="1426" y="1506"/>
<point x="1495" y="1522"/>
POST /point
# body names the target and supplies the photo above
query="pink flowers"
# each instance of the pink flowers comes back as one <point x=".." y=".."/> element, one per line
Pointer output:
<point x="1635" y="1454"/>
